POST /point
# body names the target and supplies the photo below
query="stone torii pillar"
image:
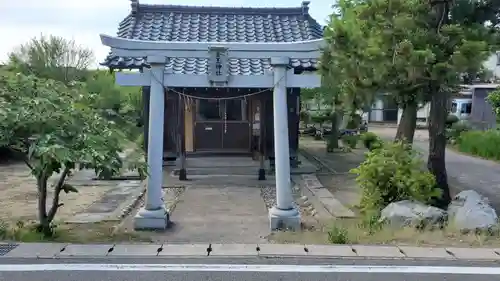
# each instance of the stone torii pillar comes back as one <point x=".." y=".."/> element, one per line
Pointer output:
<point x="284" y="215"/>
<point x="154" y="215"/>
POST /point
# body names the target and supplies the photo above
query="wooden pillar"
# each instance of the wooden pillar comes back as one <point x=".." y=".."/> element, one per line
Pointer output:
<point x="262" y="138"/>
<point x="181" y="139"/>
<point x="145" y="115"/>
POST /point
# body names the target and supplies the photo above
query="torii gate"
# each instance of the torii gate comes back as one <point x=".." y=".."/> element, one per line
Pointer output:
<point x="154" y="215"/>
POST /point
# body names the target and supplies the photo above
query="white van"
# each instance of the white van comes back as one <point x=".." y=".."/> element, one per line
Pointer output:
<point x="462" y="108"/>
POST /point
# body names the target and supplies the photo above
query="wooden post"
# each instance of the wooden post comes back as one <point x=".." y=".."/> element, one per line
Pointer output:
<point x="145" y="116"/>
<point x="181" y="146"/>
<point x="262" y="145"/>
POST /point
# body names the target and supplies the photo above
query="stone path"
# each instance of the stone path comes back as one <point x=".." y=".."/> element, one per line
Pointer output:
<point x="341" y="184"/>
<point x="215" y="214"/>
<point x="222" y="202"/>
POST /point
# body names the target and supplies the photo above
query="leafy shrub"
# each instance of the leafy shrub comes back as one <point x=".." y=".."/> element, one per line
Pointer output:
<point x="350" y="141"/>
<point x="320" y="118"/>
<point x="354" y="122"/>
<point x="485" y="144"/>
<point x="371" y="222"/>
<point x="338" y="235"/>
<point x="493" y="99"/>
<point x="371" y="140"/>
<point x="140" y="141"/>
<point x="454" y="132"/>
<point x="392" y="173"/>
<point x="451" y="119"/>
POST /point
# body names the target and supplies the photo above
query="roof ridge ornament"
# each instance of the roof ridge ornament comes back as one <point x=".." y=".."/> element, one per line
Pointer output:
<point x="305" y="7"/>
<point x="134" y="4"/>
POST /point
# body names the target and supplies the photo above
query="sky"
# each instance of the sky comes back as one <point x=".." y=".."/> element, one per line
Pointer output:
<point x="84" y="20"/>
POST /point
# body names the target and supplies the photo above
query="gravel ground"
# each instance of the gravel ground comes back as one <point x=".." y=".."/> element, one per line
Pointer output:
<point x="268" y="193"/>
<point x="170" y="196"/>
<point x="309" y="222"/>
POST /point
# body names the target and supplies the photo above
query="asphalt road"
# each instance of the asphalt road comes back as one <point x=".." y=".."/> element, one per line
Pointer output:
<point x="288" y="269"/>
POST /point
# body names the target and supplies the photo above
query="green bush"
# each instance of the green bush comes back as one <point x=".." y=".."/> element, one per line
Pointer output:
<point x="392" y="173"/>
<point x="350" y="141"/>
<point x="354" y="122"/>
<point x="485" y="144"/>
<point x="320" y="118"/>
<point x="140" y="141"/>
<point x="456" y="130"/>
<point x="338" y="235"/>
<point x="371" y="141"/>
<point x="451" y="119"/>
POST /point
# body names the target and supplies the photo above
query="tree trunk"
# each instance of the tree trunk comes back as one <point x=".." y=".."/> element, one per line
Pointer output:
<point x="345" y="120"/>
<point x="408" y="123"/>
<point x="438" y="113"/>
<point x="437" y="146"/>
<point x="44" y="223"/>
<point x="57" y="195"/>
<point x="333" y="140"/>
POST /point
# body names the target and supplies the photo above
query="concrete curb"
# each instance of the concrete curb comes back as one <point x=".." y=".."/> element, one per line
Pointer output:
<point x="59" y="250"/>
<point x="134" y="201"/>
<point x="313" y="186"/>
<point x="308" y="197"/>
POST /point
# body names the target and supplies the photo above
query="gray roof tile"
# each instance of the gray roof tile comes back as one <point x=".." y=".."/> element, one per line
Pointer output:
<point x="216" y="24"/>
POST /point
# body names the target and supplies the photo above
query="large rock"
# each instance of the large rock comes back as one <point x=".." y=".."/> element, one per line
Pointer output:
<point x="412" y="213"/>
<point x="469" y="211"/>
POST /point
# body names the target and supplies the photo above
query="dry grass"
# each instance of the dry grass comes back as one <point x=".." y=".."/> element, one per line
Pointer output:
<point x="350" y="231"/>
<point x="105" y="232"/>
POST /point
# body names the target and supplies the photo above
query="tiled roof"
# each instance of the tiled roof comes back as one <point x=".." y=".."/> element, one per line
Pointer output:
<point x="216" y="24"/>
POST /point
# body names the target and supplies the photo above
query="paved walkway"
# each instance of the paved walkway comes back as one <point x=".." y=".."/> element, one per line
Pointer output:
<point x="228" y="214"/>
<point x="222" y="202"/>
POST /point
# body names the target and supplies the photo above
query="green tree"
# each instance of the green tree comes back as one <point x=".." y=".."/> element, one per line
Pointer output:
<point x="415" y="50"/>
<point x="55" y="129"/>
<point x="52" y="57"/>
<point x="307" y="96"/>
<point x="347" y="62"/>
<point x="122" y="105"/>
<point x="493" y="99"/>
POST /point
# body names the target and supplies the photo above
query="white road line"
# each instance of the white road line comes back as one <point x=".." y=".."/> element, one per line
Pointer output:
<point x="456" y="270"/>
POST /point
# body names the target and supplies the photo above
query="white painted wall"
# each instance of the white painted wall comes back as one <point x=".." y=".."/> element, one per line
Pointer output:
<point x="377" y="113"/>
<point x="423" y="113"/>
